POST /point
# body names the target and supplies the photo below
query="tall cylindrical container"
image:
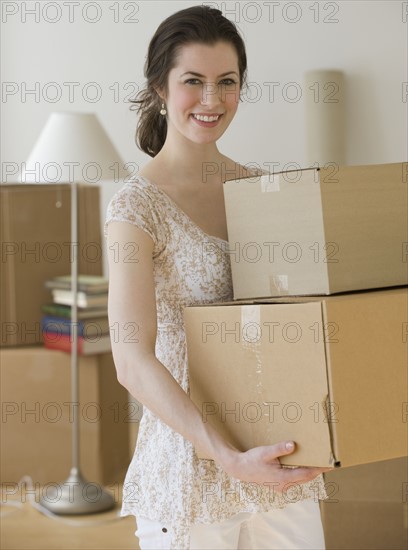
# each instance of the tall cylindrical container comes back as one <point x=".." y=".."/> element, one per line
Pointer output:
<point x="324" y="94"/>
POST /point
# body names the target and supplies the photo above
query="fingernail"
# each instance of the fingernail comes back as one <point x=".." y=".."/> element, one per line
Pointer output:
<point x="290" y="445"/>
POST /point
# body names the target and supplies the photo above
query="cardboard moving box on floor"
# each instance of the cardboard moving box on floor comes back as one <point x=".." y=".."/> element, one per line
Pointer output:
<point x="37" y="417"/>
<point x="318" y="231"/>
<point x="329" y="373"/>
<point x="367" y="507"/>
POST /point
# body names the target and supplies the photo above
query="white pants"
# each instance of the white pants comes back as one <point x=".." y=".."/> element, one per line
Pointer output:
<point x="297" y="526"/>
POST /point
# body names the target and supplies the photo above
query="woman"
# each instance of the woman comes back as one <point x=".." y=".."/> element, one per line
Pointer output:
<point x="157" y="227"/>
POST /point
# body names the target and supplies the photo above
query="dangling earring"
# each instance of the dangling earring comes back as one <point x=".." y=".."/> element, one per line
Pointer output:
<point x="163" y="110"/>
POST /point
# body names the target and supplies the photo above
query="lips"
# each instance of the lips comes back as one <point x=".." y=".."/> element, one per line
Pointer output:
<point x="206" y="118"/>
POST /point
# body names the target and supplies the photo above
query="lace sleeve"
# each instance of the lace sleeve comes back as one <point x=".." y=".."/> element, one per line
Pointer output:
<point x="132" y="204"/>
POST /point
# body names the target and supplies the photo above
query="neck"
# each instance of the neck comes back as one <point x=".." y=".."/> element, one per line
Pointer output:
<point x="190" y="161"/>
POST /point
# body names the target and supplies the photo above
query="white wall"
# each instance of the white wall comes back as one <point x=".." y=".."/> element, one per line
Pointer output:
<point x="367" y="40"/>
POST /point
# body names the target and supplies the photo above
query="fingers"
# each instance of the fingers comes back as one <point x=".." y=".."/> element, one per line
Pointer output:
<point x="299" y="475"/>
<point x="288" y="447"/>
<point x="279" y="449"/>
<point x="261" y="464"/>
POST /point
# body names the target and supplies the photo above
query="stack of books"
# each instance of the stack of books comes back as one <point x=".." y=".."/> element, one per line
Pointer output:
<point x="92" y="314"/>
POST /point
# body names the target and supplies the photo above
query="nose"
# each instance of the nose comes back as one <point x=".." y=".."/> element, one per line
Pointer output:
<point x="211" y="94"/>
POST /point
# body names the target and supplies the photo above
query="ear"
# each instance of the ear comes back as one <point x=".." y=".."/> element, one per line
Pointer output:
<point x="161" y="93"/>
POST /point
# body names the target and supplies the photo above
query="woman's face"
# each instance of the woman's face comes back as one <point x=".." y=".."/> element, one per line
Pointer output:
<point x="203" y="91"/>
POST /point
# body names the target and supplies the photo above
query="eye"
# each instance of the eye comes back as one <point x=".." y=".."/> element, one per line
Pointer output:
<point x="227" y="82"/>
<point x="192" y="81"/>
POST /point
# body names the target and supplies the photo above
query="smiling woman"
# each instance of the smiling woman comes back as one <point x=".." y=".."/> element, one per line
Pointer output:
<point x="208" y="100"/>
<point x="195" y="70"/>
<point x="193" y="26"/>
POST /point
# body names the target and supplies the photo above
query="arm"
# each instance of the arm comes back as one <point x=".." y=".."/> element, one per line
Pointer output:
<point x="132" y="300"/>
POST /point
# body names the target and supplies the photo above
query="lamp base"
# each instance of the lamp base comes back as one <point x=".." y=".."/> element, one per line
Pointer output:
<point x="76" y="495"/>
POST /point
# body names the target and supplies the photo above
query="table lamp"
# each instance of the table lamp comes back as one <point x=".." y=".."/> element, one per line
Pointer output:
<point x="75" y="147"/>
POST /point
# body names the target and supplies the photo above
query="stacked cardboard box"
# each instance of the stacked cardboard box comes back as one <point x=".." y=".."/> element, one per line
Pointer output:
<point x="367" y="507"/>
<point x="36" y="235"/>
<point x="327" y="372"/>
<point x="37" y="416"/>
<point x="318" y="231"/>
<point x="314" y="346"/>
<point x="324" y="370"/>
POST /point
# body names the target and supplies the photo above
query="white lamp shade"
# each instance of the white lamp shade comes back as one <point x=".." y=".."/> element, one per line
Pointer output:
<point x="73" y="147"/>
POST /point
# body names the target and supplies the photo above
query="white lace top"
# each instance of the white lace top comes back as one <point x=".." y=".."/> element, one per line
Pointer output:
<point x="166" y="481"/>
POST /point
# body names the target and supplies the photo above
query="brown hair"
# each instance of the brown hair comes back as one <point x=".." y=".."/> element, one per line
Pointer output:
<point x="197" y="24"/>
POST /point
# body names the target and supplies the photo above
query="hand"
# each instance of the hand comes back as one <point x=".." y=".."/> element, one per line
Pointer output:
<point x="261" y="465"/>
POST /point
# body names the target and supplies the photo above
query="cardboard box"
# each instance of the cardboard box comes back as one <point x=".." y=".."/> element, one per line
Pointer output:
<point x="37" y="416"/>
<point x="36" y="237"/>
<point x="367" y="507"/>
<point x="385" y="481"/>
<point x="321" y="231"/>
<point x="329" y="373"/>
<point x="365" y="526"/>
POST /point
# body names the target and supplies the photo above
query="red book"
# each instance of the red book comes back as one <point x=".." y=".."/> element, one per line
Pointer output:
<point x="86" y="346"/>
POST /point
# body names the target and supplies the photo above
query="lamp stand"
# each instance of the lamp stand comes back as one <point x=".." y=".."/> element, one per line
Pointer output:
<point x="76" y="495"/>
